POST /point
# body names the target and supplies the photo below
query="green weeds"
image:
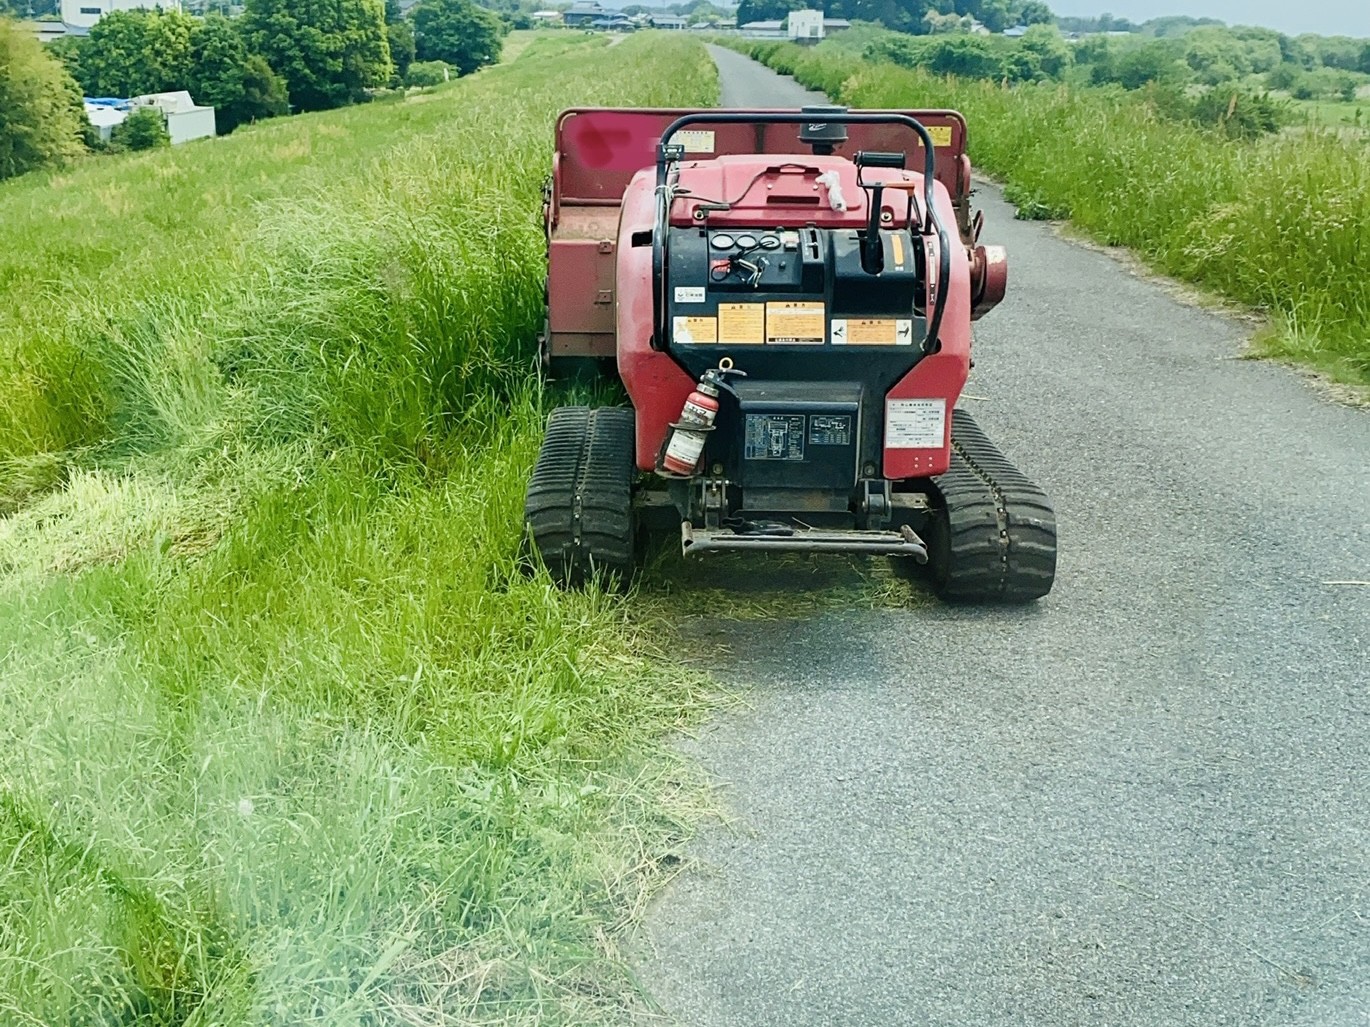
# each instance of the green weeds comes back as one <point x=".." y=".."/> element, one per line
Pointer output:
<point x="285" y="733"/>
<point x="1280" y="223"/>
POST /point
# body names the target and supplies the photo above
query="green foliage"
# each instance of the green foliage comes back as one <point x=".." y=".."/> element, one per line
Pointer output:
<point x="42" y="118"/>
<point x="330" y="52"/>
<point x="129" y="53"/>
<point x="144" y="129"/>
<point x="1239" y="114"/>
<point x="67" y="49"/>
<point x="423" y="74"/>
<point x="1133" y="67"/>
<point x="963" y="55"/>
<point x="287" y="736"/>
<point x="402" y="49"/>
<point x="223" y="75"/>
<point x="1282" y="223"/>
<point x="1053" y="52"/>
<point x="458" y="33"/>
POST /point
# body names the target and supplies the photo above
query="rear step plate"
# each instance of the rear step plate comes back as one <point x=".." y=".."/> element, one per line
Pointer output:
<point x="904" y="542"/>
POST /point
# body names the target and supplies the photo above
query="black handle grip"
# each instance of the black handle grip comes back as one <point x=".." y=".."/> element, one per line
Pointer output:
<point x="869" y="159"/>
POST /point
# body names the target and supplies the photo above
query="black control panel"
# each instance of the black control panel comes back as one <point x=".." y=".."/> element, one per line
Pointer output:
<point x="796" y="434"/>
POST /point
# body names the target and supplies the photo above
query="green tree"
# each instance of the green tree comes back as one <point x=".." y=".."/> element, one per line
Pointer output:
<point x="42" y="118"/>
<point x="423" y="74"/>
<point x="67" y="49"/>
<point x="1034" y="12"/>
<point x="458" y="33"/>
<point x="223" y="75"/>
<point x="129" y="53"/>
<point x="330" y="52"/>
<point x="766" y="10"/>
<point x="144" y="129"/>
<point x="1052" y="51"/>
<point x="1137" y="66"/>
<point x="1365" y="59"/>
<point x="401" y="36"/>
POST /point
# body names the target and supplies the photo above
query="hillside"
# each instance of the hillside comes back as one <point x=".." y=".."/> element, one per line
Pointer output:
<point x="287" y="735"/>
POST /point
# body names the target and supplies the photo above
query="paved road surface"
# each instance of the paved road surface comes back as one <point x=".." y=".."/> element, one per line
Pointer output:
<point x="1143" y="801"/>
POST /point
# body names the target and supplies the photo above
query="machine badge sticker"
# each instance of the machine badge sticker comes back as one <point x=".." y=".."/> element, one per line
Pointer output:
<point x="695" y="330"/>
<point x="872" y="331"/>
<point x="741" y="324"/>
<point x="796" y="323"/>
<point x="941" y="134"/>
<point x="703" y="142"/>
<point x="915" y="423"/>
<point x="689" y="294"/>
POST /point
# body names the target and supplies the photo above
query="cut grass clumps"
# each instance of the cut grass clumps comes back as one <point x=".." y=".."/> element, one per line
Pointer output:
<point x="1282" y="223"/>
<point x="286" y="733"/>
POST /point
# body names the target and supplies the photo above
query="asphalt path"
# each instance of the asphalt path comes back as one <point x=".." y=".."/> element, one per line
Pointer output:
<point x="1141" y="801"/>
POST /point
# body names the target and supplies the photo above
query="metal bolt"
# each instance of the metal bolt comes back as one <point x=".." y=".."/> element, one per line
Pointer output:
<point x="717" y="468"/>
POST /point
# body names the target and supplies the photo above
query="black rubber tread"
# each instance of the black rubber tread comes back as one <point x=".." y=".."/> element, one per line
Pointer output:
<point x="994" y="538"/>
<point x="579" y="507"/>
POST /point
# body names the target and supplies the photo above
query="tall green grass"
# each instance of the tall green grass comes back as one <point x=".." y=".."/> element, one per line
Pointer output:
<point x="285" y="735"/>
<point x="1282" y="224"/>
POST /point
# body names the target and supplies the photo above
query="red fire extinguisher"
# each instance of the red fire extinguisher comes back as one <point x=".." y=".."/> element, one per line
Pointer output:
<point x="686" y="444"/>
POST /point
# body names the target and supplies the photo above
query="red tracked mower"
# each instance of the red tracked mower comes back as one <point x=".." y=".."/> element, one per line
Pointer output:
<point x="787" y="297"/>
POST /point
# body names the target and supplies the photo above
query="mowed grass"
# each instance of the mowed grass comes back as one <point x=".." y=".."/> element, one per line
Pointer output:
<point x="286" y="735"/>
<point x="1281" y="224"/>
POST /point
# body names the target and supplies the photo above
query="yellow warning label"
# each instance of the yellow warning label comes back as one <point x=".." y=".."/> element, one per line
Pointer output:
<point x="741" y="324"/>
<point x="871" y="331"/>
<point x="898" y="242"/>
<point x="941" y="134"/>
<point x="696" y="330"/>
<point x="796" y="323"/>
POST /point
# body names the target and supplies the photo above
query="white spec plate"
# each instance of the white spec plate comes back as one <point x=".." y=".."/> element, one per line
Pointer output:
<point x="695" y="141"/>
<point x="689" y="294"/>
<point x="915" y="423"/>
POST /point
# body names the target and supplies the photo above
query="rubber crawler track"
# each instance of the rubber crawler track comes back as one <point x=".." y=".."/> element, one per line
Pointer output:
<point x="579" y="510"/>
<point x="996" y="538"/>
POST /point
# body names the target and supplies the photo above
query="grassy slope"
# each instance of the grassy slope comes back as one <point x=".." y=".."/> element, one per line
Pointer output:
<point x="284" y="734"/>
<point x="1282" y="224"/>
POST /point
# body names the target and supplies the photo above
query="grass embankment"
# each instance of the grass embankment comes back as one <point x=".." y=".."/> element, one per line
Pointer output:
<point x="285" y="736"/>
<point x="1282" y="224"/>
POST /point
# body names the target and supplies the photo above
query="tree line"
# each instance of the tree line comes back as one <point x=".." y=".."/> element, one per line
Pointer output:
<point x="912" y="16"/>
<point x="279" y="56"/>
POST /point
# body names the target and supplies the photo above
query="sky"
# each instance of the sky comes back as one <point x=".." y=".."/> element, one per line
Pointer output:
<point x="1326" y="17"/>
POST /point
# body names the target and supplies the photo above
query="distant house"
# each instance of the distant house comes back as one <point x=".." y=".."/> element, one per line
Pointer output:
<point x="47" y="31"/>
<point x="581" y="14"/>
<point x="763" y="29"/>
<point x="802" y="26"/>
<point x="82" y="14"/>
<point x="185" y="119"/>
<point x="613" y="22"/>
<point x="1017" y="32"/>
<point x="669" y="22"/>
<point x="546" y="17"/>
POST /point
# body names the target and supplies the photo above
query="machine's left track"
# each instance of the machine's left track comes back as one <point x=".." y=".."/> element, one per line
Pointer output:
<point x="579" y="508"/>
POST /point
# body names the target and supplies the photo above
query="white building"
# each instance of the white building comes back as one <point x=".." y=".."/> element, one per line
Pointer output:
<point x="806" y="24"/>
<point x="85" y="13"/>
<point x="185" y="120"/>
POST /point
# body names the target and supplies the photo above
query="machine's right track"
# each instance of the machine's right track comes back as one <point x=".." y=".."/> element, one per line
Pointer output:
<point x="995" y="537"/>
